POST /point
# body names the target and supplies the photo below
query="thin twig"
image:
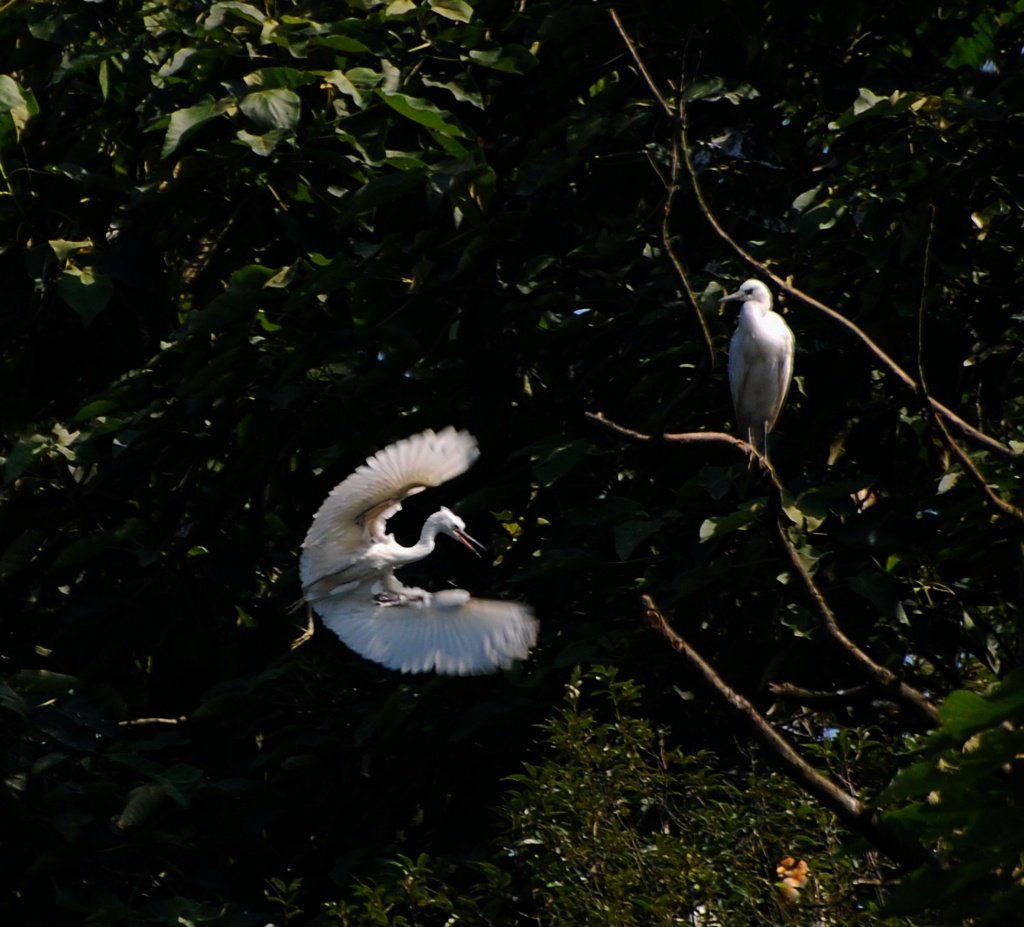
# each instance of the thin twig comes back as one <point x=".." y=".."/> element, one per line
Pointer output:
<point x="883" y="677"/>
<point x="672" y="186"/>
<point x="631" y="45"/>
<point x="848" y="808"/>
<point x="791" y="692"/>
<point x="688" y="437"/>
<point x="921" y="378"/>
<point x="132" y="722"/>
<point x="600" y="418"/>
<point x="1001" y="505"/>
<point x="666" y="239"/>
<point x="971" y="468"/>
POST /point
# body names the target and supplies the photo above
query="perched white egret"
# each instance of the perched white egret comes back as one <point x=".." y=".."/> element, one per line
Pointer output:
<point x="348" y="563"/>
<point x="760" y="363"/>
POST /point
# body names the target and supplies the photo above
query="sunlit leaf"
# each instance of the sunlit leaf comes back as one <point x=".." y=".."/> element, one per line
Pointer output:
<point x="458" y="10"/>
<point x="64" y="249"/>
<point x="18" y="102"/>
<point x="423" y="112"/>
<point x="264" y="144"/>
<point x="186" y="122"/>
<point x="219" y="12"/>
<point x="278" y="108"/>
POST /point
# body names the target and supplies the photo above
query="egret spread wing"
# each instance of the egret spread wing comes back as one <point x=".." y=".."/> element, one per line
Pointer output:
<point x="448" y="633"/>
<point x="353" y="515"/>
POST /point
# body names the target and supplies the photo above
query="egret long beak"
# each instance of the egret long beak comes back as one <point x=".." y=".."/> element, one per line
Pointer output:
<point x="471" y="544"/>
<point x="733" y="297"/>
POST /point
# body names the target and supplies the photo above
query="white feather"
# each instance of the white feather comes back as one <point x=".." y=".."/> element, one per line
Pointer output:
<point x="348" y="562"/>
<point x="760" y="363"/>
<point x="340" y="533"/>
<point x="475" y="636"/>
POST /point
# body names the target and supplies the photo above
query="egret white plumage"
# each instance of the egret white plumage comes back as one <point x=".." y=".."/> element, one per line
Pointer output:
<point x="760" y="363"/>
<point x="348" y="562"/>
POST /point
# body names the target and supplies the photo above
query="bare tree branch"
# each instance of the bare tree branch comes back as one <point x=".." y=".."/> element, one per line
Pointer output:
<point x="881" y="356"/>
<point x="651" y="85"/>
<point x="1001" y="505"/>
<point x="881" y="677"/>
<point x="886" y="361"/>
<point x="977" y="477"/>
<point x="884" y="678"/>
<point x="790" y="692"/>
<point x="848" y="808"/>
<point x="672" y="185"/>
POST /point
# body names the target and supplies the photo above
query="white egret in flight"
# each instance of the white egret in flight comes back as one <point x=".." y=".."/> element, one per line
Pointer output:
<point x="760" y="363"/>
<point x="348" y="563"/>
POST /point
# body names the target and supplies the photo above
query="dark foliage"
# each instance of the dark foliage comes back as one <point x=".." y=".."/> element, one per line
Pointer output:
<point x="245" y="245"/>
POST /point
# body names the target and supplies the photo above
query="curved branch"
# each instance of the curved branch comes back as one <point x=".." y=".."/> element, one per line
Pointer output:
<point x="880" y="676"/>
<point x="666" y="241"/>
<point x="672" y="186"/>
<point x="688" y="437"/>
<point x="971" y="468"/>
<point x="884" y="359"/>
<point x="638" y="61"/>
<point x="881" y="356"/>
<point x="1001" y="505"/>
<point x="856" y="815"/>
<point x="794" y="693"/>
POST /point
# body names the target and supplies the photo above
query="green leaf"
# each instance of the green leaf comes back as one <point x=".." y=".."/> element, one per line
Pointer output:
<point x="264" y="144"/>
<point x="963" y="713"/>
<point x="186" y="122"/>
<point x="274" y="78"/>
<point x="457" y="10"/>
<point x="86" y="291"/>
<point x="219" y="12"/>
<point x="510" y="59"/>
<point x="712" y="89"/>
<point x="64" y="249"/>
<point x="974" y="50"/>
<point x="357" y="83"/>
<point x="19" y="103"/>
<point x="715" y="481"/>
<point x="461" y="91"/>
<point x="94" y="409"/>
<point x="423" y="112"/>
<point x="866" y="100"/>
<point x="726" y="524"/>
<point x="278" y="108"/>
<point x="21" y="455"/>
<point x="808" y="511"/>
<point x="629" y="535"/>
<point x="382" y="190"/>
<point x="559" y="460"/>
<point x="882" y="592"/>
<point x="806" y="198"/>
